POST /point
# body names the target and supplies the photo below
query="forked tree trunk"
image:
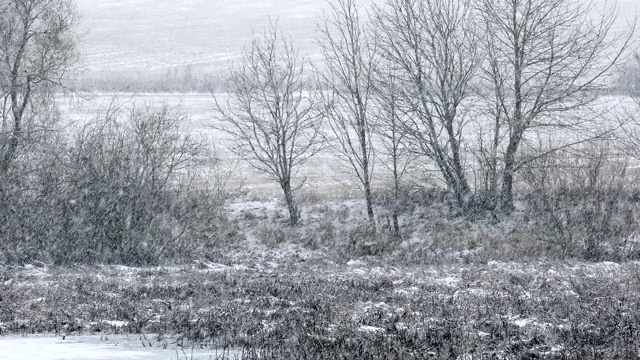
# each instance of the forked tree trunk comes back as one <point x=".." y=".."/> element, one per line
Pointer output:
<point x="506" y="194"/>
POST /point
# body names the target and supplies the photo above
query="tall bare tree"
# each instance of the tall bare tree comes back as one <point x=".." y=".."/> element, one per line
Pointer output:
<point x="272" y="112"/>
<point x="389" y="126"/>
<point x="431" y="44"/>
<point x="546" y="60"/>
<point x="37" y="51"/>
<point x="350" y="59"/>
<point x="628" y="140"/>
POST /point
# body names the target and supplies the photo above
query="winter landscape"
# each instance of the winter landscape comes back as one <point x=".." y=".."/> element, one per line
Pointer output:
<point x="340" y="179"/>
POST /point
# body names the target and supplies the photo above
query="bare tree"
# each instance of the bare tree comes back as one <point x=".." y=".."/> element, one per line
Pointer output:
<point x="37" y="51"/>
<point x="350" y="59"/>
<point x="389" y="126"/>
<point x="272" y="113"/>
<point x="628" y="140"/>
<point x="431" y="44"/>
<point x="546" y="61"/>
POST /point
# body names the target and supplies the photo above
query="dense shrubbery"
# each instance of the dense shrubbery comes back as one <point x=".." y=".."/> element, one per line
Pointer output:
<point x="585" y="203"/>
<point x="125" y="187"/>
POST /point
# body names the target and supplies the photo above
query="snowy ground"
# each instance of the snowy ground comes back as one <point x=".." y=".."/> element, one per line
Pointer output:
<point x="100" y="347"/>
<point x="295" y="302"/>
<point x="135" y="35"/>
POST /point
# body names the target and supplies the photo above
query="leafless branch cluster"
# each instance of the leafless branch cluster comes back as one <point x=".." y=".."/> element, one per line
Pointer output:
<point x="430" y="45"/>
<point x="546" y="61"/>
<point x="271" y="113"/>
<point x="350" y="60"/>
<point x="37" y="52"/>
<point x="469" y="87"/>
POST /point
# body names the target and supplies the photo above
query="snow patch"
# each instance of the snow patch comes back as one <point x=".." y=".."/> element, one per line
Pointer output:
<point x="354" y="263"/>
<point x="522" y="322"/>
<point x="115" y="323"/>
<point x="407" y="291"/>
<point x="371" y="329"/>
<point x="448" y="281"/>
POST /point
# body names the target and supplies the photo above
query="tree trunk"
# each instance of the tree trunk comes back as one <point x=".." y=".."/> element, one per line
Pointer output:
<point x="366" y="176"/>
<point x="461" y="189"/>
<point x="396" y="195"/>
<point x="294" y="213"/>
<point x="517" y="130"/>
<point x="369" y="199"/>
<point x="506" y="195"/>
<point x="492" y="191"/>
<point x="10" y="152"/>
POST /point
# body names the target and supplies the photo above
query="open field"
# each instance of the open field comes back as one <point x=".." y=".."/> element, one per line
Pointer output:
<point x="135" y="35"/>
<point x="133" y="41"/>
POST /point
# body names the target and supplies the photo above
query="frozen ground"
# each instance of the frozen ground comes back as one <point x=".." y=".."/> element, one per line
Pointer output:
<point x="276" y="295"/>
<point x="98" y="347"/>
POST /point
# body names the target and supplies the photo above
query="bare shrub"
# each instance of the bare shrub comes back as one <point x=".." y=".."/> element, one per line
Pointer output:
<point x="123" y="189"/>
<point x="581" y="201"/>
<point x="133" y="191"/>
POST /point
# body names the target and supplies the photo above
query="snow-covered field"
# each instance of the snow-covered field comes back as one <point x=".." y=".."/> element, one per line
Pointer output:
<point x="152" y="37"/>
<point x="138" y="36"/>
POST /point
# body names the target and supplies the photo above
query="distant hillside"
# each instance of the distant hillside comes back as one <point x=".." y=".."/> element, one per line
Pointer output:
<point x="156" y="43"/>
<point x="132" y="39"/>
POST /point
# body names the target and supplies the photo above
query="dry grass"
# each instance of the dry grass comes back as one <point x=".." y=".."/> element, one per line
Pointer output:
<point x="319" y="309"/>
